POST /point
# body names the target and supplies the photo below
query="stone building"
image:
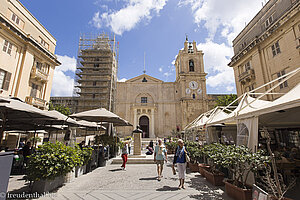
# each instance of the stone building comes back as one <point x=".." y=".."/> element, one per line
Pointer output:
<point x="268" y="47"/>
<point x="160" y="107"/>
<point x="70" y="102"/>
<point x="96" y="74"/>
<point x="27" y="55"/>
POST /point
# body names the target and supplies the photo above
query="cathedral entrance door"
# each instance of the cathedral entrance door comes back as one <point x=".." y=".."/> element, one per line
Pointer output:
<point x="144" y="124"/>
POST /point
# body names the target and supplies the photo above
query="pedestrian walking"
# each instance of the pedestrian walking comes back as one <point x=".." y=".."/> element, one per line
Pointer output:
<point x="180" y="159"/>
<point x="160" y="156"/>
<point x="124" y="155"/>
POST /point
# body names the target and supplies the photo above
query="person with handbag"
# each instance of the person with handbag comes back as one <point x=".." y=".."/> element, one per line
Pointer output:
<point x="180" y="158"/>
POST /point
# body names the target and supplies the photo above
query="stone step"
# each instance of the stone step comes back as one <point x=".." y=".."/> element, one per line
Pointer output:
<point x="133" y="161"/>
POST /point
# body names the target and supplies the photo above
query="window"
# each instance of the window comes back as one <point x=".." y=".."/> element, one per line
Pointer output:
<point x="4" y="79"/>
<point x="94" y="83"/>
<point x="15" y="18"/>
<point x="39" y="65"/>
<point x="96" y="65"/>
<point x="94" y="96"/>
<point x="244" y="44"/>
<point x="143" y="99"/>
<point x="247" y="66"/>
<point x="194" y="96"/>
<point x="269" y="21"/>
<point x="7" y="47"/>
<point x="2" y="76"/>
<point x="144" y="79"/>
<point x="284" y="84"/>
<point x="44" y="43"/>
<point x="34" y="89"/>
<point x="276" y="48"/>
<point x="191" y="66"/>
<point x="190" y="49"/>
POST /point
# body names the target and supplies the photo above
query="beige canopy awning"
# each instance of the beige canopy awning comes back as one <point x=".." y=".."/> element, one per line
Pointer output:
<point x="101" y="115"/>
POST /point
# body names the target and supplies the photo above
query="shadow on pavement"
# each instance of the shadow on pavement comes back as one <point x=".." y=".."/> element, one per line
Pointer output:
<point x="167" y="188"/>
<point x="148" y="179"/>
<point x="115" y="170"/>
<point x="207" y="190"/>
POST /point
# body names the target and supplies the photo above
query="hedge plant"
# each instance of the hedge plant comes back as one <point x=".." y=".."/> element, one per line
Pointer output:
<point x="194" y="150"/>
<point x="171" y="146"/>
<point x="239" y="160"/>
<point x="55" y="159"/>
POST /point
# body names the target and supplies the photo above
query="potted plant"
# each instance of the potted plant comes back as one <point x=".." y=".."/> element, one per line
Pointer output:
<point x="214" y="155"/>
<point x="171" y="147"/>
<point x="203" y="164"/>
<point x="193" y="149"/>
<point x="49" y="164"/>
<point x="86" y="154"/>
<point x="241" y="161"/>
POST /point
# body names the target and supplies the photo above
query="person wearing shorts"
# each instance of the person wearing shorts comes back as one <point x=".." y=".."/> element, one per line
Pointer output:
<point x="160" y="156"/>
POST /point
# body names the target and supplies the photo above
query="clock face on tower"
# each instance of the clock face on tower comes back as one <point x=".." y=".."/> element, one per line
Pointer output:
<point x="199" y="91"/>
<point x="193" y="85"/>
<point x="188" y="91"/>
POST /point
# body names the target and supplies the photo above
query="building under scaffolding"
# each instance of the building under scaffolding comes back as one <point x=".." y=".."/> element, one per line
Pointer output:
<point x="96" y="74"/>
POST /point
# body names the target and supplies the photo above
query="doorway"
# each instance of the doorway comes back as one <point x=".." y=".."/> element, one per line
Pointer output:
<point x="144" y="124"/>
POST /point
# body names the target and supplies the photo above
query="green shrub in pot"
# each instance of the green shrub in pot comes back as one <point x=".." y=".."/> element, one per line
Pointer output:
<point x="54" y="159"/>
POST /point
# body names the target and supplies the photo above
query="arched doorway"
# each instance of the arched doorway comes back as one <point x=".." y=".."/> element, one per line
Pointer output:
<point x="144" y="124"/>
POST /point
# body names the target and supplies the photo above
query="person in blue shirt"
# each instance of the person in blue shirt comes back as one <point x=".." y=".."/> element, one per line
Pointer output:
<point x="180" y="160"/>
<point x="160" y="155"/>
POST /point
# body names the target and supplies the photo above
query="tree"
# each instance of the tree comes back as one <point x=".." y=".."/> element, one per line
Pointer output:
<point x="226" y="100"/>
<point x="60" y="108"/>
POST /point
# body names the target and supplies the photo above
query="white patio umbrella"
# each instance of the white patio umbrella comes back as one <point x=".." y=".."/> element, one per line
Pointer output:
<point x="59" y="119"/>
<point x="101" y="115"/>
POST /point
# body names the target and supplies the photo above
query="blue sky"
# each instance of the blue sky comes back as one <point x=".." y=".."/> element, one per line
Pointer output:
<point x="156" y="27"/>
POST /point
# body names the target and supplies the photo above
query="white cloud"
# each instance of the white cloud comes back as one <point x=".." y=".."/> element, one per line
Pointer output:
<point x="129" y="16"/>
<point x="122" y="80"/>
<point x="63" y="84"/>
<point x="67" y="63"/>
<point x="222" y="19"/>
<point x="96" y="21"/>
<point x="216" y="58"/>
<point x="229" y="88"/>
<point x="228" y="16"/>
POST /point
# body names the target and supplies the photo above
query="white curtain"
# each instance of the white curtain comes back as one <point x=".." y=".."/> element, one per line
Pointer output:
<point x="247" y="133"/>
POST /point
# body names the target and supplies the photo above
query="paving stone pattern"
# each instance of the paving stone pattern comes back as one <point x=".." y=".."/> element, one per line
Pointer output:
<point x="137" y="182"/>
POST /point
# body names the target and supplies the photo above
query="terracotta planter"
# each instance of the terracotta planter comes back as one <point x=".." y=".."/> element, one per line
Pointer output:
<point x="238" y="193"/>
<point x="202" y="167"/>
<point x="215" y="179"/>
<point x="194" y="167"/>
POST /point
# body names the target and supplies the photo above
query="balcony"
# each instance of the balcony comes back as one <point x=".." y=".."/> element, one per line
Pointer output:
<point x="37" y="102"/>
<point x="144" y="105"/>
<point x="38" y="74"/>
<point x="247" y="76"/>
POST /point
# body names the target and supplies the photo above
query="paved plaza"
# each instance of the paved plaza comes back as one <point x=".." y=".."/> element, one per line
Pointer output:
<point x="137" y="182"/>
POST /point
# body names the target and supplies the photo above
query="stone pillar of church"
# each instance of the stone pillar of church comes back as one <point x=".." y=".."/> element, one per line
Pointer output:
<point x="135" y="118"/>
<point x="152" y="124"/>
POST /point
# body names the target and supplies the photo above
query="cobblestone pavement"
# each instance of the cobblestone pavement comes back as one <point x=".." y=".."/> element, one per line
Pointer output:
<point x="137" y="182"/>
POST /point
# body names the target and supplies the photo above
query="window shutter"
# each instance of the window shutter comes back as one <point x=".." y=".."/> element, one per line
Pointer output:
<point x="6" y="81"/>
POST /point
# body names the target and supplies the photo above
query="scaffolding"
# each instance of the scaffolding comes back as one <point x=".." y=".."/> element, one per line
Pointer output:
<point x="96" y="72"/>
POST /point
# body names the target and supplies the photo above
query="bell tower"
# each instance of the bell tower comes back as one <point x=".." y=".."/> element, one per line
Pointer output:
<point x="191" y="82"/>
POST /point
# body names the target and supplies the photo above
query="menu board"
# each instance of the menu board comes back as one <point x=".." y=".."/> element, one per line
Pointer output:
<point x="258" y="193"/>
